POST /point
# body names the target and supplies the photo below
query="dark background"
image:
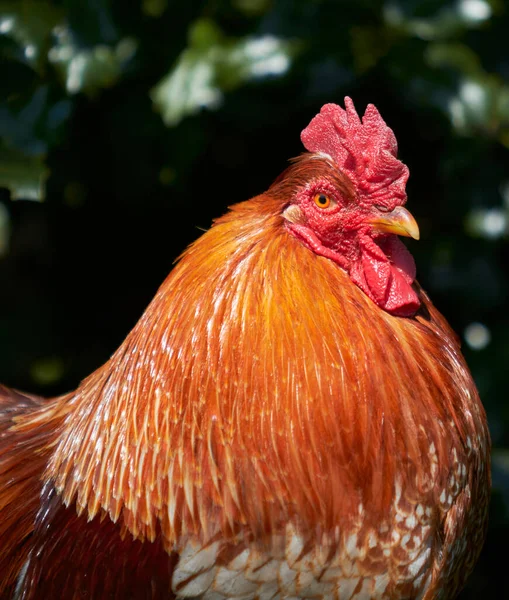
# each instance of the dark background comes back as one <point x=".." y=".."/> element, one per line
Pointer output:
<point x="128" y="125"/>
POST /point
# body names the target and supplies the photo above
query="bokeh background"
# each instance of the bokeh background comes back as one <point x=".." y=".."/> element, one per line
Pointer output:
<point x="127" y="126"/>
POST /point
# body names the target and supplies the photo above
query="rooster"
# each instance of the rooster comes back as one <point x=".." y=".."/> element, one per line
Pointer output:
<point x="290" y="418"/>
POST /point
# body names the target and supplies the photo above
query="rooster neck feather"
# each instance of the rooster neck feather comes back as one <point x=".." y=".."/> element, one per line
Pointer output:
<point x="269" y="389"/>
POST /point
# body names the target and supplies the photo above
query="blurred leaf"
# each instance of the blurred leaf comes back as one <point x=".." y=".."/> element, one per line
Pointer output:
<point x="190" y="85"/>
<point x="24" y="176"/>
<point x="91" y="69"/>
<point x="30" y="23"/>
<point x="214" y="64"/>
<point x="491" y="223"/>
<point x="252" y="7"/>
<point x="154" y="8"/>
<point x="449" y="20"/>
<point x="481" y="100"/>
<point x="19" y="122"/>
<point x="455" y="56"/>
<point x="42" y="33"/>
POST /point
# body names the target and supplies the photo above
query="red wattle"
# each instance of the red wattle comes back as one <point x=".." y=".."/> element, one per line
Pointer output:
<point x="385" y="272"/>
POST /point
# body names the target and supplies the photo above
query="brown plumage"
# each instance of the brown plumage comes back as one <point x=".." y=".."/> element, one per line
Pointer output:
<point x="265" y="431"/>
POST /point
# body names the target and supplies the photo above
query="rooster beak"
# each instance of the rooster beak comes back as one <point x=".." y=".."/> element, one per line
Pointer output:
<point x="398" y="221"/>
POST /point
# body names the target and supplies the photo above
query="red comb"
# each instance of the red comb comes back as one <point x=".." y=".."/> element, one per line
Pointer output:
<point x="365" y="151"/>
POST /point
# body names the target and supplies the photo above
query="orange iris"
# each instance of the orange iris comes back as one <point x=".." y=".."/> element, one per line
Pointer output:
<point x="322" y="201"/>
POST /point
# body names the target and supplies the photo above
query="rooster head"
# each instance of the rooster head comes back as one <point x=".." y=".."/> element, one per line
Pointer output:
<point x="346" y="203"/>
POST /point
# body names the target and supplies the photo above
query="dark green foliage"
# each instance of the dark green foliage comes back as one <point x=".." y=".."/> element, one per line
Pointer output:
<point x="138" y="122"/>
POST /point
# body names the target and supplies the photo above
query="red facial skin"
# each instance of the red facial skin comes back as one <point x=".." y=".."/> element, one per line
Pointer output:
<point x="378" y="263"/>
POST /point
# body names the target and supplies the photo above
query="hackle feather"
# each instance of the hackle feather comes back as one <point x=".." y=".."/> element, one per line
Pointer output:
<point x="269" y="390"/>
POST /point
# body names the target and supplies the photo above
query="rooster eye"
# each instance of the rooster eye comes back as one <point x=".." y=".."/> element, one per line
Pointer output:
<point x="322" y="201"/>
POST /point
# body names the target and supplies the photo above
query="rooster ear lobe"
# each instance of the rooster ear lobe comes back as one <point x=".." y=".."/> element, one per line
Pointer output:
<point x="294" y="214"/>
